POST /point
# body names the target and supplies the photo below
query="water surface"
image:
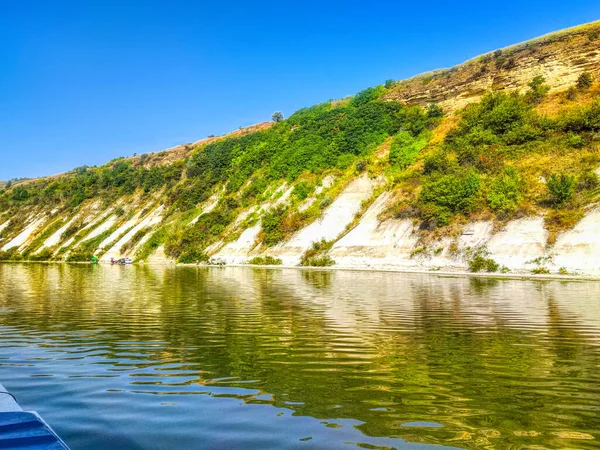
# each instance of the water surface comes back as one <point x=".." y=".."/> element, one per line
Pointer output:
<point x="226" y="358"/>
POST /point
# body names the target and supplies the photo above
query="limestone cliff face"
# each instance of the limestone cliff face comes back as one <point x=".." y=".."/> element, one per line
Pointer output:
<point x="351" y="221"/>
<point x="560" y="57"/>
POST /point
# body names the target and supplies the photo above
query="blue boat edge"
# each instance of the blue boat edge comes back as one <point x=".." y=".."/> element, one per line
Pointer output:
<point x="24" y="429"/>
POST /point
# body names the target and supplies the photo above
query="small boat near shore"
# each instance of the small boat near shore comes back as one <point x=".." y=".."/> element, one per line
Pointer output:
<point x="121" y="261"/>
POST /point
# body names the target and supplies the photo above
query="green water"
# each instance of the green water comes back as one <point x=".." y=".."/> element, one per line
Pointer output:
<point x="228" y="358"/>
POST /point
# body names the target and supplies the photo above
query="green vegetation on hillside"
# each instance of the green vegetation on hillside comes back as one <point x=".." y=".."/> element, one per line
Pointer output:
<point x="499" y="155"/>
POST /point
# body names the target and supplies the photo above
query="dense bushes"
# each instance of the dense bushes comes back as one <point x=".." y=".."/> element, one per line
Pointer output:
<point x="476" y="165"/>
<point x="118" y="178"/>
<point x="303" y="189"/>
<point x="480" y="263"/>
<point x="498" y="118"/>
<point x="272" y="225"/>
<point x="506" y="191"/>
<point x="537" y="90"/>
<point x="454" y="193"/>
<point x="322" y="136"/>
<point x="265" y="261"/>
<point x="582" y="118"/>
<point x="405" y="148"/>
<point x="316" y="255"/>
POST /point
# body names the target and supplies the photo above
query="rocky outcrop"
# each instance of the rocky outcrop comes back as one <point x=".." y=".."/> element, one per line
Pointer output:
<point x="559" y="57"/>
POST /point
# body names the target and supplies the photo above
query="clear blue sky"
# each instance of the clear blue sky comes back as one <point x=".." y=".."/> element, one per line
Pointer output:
<point x="82" y="82"/>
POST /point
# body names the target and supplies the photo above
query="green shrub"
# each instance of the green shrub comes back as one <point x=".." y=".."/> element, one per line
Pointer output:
<point x="361" y="165"/>
<point x="319" y="261"/>
<point x="574" y="140"/>
<point x="256" y="188"/>
<point x="187" y="243"/>
<point x="561" y="188"/>
<point x="437" y="162"/>
<point x="499" y="118"/>
<point x="265" y="261"/>
<point x="272" y="225"/>
<point x="325" y="203"/>
<point x="434" y="215"/>
<point x="583" y="118"/>
<point x="11" y="254"/>
<point x="79" y="255"/>
<point x="44" y="254"/>
<point x="150" y="246"/>
<point x="72" y="230"/>
<point x="192" y="255"/>
<point x="91" y="245"/>
<point x="405" y="148"/>
<point x="571" y="93"/>
<point x="433" y="111"/>
<point x="540" y="271"/>
<point x="584" y="81"/>
<point x="303" y="189"/>
<point x="480" y="263"/>
<point x="419" y="252"/>
<point x="137" y="237"/>
<point x="537" y="90"/>
<point x="315" y="256"/>
<point x="454" y="192"/>
<point x="367" y="95"/>
<point x="506" y="191"/>
<point x="588" y="180"/>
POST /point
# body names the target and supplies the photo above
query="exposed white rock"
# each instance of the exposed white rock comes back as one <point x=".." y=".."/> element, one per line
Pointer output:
<point x="237" y="252"/>
<point x="326" y="183"/>
<point x="4" y="225"/>
<point x="151" y="219"/>
<point x="578" y="250"/>
<point x="244" y="214"/>
<point x="284" y="197"/>
<point x="333" y="222"/>
<point x="122" y="229"/>
<point x="21" y="239"/>
<point x="377" y="244"/>
<point x="54" y="239"/>
<point x="520" y="242"/>
<point x="213" y="201"/>
<point x="104" y="226"/>
<point x="159" y="257"/>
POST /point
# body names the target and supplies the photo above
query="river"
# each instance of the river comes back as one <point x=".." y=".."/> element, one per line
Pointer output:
<point x="144" y="357"/>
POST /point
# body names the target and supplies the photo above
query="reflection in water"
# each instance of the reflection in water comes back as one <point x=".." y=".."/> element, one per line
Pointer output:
<point x="164" y="357"/>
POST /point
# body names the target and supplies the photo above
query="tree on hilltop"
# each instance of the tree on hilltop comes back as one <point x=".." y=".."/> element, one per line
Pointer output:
<point x="277" y="116"/>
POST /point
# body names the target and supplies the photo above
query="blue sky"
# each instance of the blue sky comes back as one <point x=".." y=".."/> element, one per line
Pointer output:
<point x="83" y="82"/>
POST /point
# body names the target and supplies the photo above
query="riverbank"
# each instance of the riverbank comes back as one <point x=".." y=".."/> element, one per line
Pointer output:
<point x="445" y="273"/>
<point x="457" y="273"/>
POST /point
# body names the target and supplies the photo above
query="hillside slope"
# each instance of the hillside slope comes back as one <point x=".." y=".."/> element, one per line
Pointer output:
<point x="489" y="166"/>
